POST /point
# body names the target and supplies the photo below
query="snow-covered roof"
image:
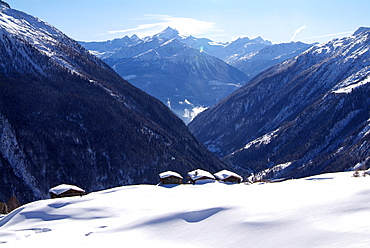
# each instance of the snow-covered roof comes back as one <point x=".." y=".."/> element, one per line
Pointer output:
<point x="169" y="174"/>
<point x="60" y="189"/>
<point x="224" y="174"/>
<point x="198" y="173"/>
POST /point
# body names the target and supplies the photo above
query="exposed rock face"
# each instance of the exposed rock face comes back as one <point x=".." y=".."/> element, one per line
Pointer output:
<point x="67" y="117"/>
<point x="305" y="116"/>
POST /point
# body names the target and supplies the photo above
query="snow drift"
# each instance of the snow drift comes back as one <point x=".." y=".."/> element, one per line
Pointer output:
<point x="329" y="210"/>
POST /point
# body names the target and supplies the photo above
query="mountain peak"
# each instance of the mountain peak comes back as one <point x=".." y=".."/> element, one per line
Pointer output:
<point x="134" y="37"/>
<point x="169" y="29"/>
<point x="361" y="30"/>
<point x="168" y="33"/>
<point x="4" y="4"/>
<point x="242" y="39"/>
<point x="258" y="39"/>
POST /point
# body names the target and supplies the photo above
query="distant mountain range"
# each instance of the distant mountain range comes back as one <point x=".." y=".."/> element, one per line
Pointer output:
<point x="190" y="74"/>
<point x="304" y="116"/>
<point x="67" y="117"/>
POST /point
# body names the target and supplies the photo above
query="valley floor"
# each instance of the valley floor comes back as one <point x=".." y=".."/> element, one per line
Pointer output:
<point x="329" y="210"/>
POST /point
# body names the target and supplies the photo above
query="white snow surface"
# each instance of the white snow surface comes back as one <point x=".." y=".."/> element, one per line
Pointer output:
<point x="329" y="210"/>
<point x="356" y="80"/>
<point x="169" y="174"/>
<point x="263" y="140"/>
<point x="60" y="189"/>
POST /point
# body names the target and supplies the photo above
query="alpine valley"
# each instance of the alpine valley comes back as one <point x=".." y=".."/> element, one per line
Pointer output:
<point x="190" y="74"/>
<point x="305" y="116"/>
<point x="67" y="117"/>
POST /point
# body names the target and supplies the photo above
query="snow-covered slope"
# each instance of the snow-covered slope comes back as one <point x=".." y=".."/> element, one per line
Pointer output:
<point x="329" y="210"/>
<point x="310" y="113"/>
<point x="18" y="26"/>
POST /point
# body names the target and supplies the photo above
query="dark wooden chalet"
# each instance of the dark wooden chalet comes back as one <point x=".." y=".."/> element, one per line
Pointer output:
<point x="170" y="177"/>
<point x="228" y="177"/>
<point x="65" y="190"/>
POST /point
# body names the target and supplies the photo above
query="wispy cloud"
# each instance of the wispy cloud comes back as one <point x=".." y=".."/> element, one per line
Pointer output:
<point x="156" y="23"/>
<point x="297" y="31"/>
<point x="138" y="28"/>
<point x="327" y="35"/>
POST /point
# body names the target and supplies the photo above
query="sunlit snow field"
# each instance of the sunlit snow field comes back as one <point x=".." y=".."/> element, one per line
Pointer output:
<point x="329" y="210"/>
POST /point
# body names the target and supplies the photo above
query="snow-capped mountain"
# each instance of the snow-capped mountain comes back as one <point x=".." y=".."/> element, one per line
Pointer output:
<point x="255" y="62"/>
<point x="304" y="116"/>
<point x="241" y="47"/>
<point x="126" y="47"/>
<point x="105" y="49"/>
<point x="183" y="71"/>
<point x="67" y="117"/>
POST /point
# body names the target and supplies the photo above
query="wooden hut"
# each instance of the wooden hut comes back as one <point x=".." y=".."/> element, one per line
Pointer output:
<point x="201" y="176"/>
<point x="65" y="190"/>
<point x="228" y="177"/>
<point x="170" y="177"/>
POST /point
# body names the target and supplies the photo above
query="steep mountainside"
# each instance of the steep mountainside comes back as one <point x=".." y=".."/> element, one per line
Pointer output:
<point x="304" y="116"/>
<point x="67" y="117"/>
<point x="254" y="63"/>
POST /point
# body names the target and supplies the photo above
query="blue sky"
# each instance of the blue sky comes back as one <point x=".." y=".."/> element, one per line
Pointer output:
<point x="220" y="20"/>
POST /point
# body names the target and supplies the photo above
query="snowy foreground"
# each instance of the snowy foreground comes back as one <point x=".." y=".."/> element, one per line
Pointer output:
<point x="329" y="210"/>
